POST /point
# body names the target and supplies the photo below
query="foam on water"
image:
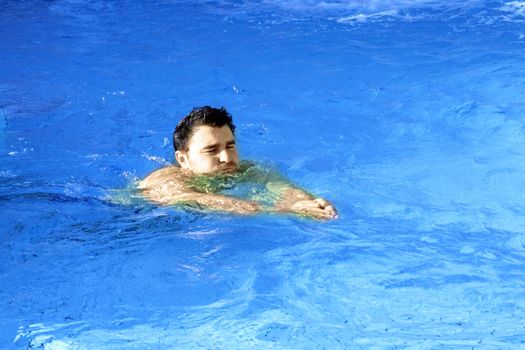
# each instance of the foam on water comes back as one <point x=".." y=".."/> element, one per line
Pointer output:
<point x="371" y="6"/>
<point x="515" y="7"/>
<point x="362" y="11"/>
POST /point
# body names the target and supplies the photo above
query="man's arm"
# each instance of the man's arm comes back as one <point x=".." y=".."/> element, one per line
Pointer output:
<point x="223" y="203"/>
<point x="208" y="200"/>
<point x="166" y="187"/>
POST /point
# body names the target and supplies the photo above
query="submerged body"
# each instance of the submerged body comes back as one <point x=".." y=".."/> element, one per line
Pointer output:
<point x="264" y="192"/>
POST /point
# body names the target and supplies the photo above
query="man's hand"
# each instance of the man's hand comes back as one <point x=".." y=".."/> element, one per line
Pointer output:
<point x="295" y="200"/>
<point x="318" y="208"/>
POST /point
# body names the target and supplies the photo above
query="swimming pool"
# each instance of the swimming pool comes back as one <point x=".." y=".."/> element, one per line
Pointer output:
<point x="408" y="115"/>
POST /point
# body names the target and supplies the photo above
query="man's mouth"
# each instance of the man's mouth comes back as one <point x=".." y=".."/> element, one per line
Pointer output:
<point x="228" y="169"/>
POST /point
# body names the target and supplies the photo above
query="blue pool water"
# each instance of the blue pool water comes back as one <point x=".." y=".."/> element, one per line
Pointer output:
<point x="407" y="114"/>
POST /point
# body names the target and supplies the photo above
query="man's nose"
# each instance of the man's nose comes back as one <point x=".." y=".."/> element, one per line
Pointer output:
<point x="225" y="157"/>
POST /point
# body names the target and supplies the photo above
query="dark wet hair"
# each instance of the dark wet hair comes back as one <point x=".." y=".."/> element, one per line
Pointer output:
<point x="215" y="117"/>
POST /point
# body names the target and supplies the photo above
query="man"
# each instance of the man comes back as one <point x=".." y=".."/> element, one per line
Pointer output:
<point x="205" y="146"/>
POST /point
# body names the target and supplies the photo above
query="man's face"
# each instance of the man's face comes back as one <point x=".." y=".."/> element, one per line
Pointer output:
<point x="210" y="150"/>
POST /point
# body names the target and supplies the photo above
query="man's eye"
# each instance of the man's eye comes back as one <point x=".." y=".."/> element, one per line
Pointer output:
<point x="230" y="146"/>
<point x="210" y="150"/>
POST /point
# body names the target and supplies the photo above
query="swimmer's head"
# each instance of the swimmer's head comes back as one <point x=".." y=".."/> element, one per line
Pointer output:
<point x="204" y="141"/>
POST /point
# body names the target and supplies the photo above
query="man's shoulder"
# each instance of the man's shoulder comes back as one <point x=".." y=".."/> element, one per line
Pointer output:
<point x="162" y="176"/>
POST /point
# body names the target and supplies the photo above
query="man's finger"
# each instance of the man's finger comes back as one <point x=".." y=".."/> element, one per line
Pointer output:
<point x="306" y="204"/>
<point x="331" y="210"/>
<point x="317" y="213"/>
<point x="322" y="202"/>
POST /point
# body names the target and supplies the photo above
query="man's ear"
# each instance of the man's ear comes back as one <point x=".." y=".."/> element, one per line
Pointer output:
<point x="182" y="159"/>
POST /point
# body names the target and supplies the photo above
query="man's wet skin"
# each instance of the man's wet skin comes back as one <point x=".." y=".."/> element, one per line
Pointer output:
<point x="211" y="150"/>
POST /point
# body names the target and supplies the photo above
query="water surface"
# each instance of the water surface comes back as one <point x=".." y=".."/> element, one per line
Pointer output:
<point x="407" y="115"/>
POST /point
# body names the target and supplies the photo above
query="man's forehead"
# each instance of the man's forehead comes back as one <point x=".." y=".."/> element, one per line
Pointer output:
<point x="204" y="135"/>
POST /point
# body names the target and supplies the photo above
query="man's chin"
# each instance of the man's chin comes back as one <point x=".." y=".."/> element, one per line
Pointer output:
<point x="225" y="170"/>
